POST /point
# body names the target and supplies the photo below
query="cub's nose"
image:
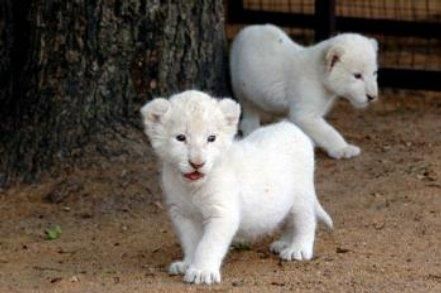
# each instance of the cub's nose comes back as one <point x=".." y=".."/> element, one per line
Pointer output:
<point x="371" y="98"/>
<point x="196" y="165"/>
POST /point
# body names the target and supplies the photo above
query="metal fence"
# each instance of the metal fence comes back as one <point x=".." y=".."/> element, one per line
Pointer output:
<point x="409" y="31"/>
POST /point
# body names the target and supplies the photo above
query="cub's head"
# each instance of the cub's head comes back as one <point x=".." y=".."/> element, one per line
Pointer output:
<point x="351" y="68"/>
<point x="190" y="131"/>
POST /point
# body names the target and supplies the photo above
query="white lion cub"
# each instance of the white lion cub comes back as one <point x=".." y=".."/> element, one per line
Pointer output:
<point x="217" y="188"/>
<point x="271" y="74"/>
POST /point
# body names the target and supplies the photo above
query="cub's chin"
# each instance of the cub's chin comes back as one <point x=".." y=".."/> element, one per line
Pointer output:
<point x="359" y="104"/>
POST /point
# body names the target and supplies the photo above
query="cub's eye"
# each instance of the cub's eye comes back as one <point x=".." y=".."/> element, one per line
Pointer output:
<point x="358" y="75"/>
<point x="211" y="138"/>
<point x="180" y="137"/>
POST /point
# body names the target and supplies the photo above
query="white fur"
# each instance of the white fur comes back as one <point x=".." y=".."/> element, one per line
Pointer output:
<point x="272" y="74"/>
<point x="249" y="188"/>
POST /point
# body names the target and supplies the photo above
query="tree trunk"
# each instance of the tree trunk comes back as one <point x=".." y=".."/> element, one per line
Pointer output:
<point x="73" y="68"/>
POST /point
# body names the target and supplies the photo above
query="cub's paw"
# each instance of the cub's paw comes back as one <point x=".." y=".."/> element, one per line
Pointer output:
<point x="277" y="246"/>
<point x="207" y="277"/>
<point x="297" y="252"/>
<point x="178" y="268"/>
<point x="346" y="152"/>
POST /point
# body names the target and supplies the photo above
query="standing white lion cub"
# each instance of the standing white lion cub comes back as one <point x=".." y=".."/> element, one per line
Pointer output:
<point x="271" y="74"/>
<point x="217" y="188"/>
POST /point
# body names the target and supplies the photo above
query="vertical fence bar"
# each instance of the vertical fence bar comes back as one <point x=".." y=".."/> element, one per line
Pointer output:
<point x="235" y="10"/>
<point x="325" y="19"/>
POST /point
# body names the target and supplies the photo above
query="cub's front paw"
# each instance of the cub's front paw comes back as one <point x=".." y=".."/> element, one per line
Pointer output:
<point x="178" y="268"/>
<point x="196" y="276"/>
<point x="346" y="152"/>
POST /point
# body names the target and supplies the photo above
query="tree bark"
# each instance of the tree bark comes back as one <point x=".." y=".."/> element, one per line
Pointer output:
<point x="74" y="68"/>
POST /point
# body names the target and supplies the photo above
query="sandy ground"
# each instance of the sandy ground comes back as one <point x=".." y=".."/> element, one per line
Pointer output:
<point x="116" y="236"/>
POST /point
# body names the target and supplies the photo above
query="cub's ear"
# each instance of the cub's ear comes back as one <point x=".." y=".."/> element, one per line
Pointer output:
<point x="155" y="111"/>
<point x="231" y="110"/>
<point x="374" y="43"/>
<point x="334" y="54"/>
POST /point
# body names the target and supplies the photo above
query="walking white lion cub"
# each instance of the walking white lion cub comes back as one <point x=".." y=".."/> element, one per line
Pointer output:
<point x="271" y="74"/>
<point x="217" y="188"/>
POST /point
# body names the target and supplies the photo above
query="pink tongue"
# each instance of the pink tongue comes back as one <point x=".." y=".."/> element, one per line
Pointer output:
<point x="193" y="176"/>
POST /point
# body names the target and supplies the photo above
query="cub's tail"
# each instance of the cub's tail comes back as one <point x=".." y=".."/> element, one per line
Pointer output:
<point x="323" y="216"/>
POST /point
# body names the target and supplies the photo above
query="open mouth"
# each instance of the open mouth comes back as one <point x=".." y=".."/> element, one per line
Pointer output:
<point x="193" y="176"/>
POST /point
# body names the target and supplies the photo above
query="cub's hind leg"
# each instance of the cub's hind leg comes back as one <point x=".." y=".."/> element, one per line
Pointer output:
<point x="299" y="241"/>
<point x="285" y="239"/>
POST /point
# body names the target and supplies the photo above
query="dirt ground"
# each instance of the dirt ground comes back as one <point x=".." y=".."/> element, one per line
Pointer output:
<point x="116" y="236"/>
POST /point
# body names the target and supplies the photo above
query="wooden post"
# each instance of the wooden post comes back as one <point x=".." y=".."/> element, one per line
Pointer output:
<point x="325" y="19"/>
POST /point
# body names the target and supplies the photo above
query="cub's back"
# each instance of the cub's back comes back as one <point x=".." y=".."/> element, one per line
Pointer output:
<point x="283" y="139"/>
<point x="270" y="153"/>
<point x="259" y="61"/>
<point x="263" y="39"/>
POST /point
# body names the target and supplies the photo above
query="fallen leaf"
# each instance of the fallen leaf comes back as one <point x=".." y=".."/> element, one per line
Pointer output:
<point x="53" y="232"/>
